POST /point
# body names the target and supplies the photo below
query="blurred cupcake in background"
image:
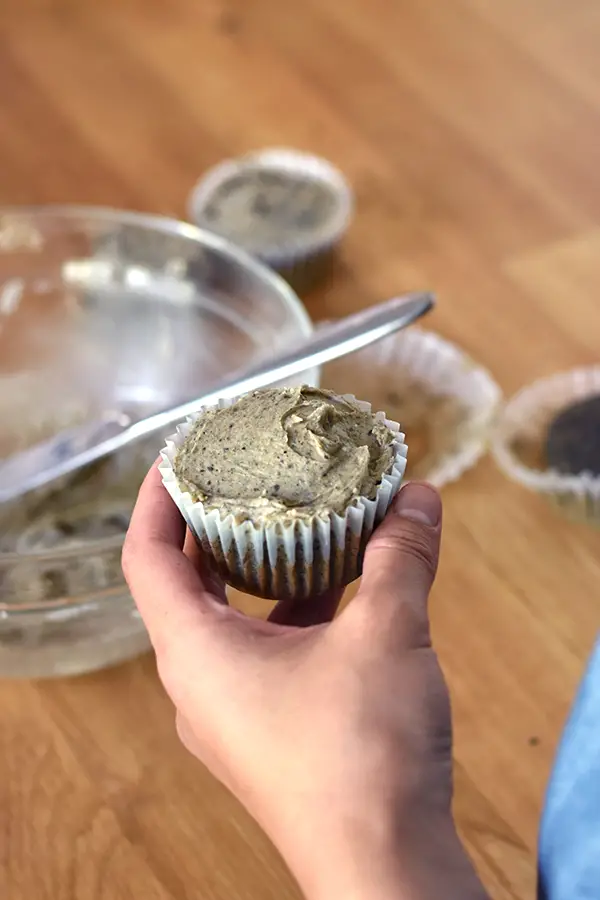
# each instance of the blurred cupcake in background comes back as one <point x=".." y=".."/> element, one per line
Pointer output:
<point x="289" y="209"/>
<point x="548" y="440"/>
<point x="445" y="401"/>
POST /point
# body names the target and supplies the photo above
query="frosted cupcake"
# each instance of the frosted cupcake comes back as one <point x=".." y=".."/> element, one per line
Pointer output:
<point x="289" y="209"/>
<point x="283" y="487"/>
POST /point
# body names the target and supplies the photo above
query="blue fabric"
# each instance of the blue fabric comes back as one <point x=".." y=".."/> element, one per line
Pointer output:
<point x="569" y="851"/>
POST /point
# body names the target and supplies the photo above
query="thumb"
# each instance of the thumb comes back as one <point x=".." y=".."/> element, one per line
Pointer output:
<point x="400" y="565"/>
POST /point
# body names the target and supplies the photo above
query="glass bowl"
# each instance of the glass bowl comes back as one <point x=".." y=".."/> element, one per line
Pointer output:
<point x="102" y="309"/>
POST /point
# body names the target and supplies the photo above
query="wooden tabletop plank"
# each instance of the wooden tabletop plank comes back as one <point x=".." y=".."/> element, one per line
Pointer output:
<point x="469" y="132"/>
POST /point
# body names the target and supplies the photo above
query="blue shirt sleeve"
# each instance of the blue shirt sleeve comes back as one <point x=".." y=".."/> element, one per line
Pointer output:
<point x="569" y="847"/>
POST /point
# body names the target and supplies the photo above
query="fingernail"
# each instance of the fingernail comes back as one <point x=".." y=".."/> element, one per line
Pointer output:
<point x="420" y="503"/>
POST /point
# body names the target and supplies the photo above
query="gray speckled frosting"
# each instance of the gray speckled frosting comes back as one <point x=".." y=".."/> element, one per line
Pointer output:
<point x="285" y="452"/>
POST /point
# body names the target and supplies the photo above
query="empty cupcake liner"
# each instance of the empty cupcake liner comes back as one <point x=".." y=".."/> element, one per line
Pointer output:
<point x="525" y="419"/>
<point x="458" y="398"/>
<point x="294" y="558"/>
<point x="301" y="258"/>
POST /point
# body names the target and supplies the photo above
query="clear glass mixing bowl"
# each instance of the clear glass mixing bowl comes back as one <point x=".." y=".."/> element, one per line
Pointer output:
<point x="101" y="309"/>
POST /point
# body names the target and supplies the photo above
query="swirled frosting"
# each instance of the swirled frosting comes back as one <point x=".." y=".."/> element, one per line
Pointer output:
<point x="284" y="452"/>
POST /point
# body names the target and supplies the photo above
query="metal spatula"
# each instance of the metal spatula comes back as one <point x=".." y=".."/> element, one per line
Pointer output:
<point x="70" y="450"/>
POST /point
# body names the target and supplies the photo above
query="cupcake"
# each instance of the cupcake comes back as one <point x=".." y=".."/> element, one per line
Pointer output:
<point x="287" y="208"/>
<point x="548" y="440"/>
<point x="573" y="439"/>
<point x="283" y="487"/>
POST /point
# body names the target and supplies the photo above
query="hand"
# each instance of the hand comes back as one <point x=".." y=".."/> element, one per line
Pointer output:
<point x="335" y="735"/>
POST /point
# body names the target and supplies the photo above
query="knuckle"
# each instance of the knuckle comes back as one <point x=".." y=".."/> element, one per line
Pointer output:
<point x="187" y="734"/>
<point x="168" y="670"/>
<point x="129" y="557"/>
<point x="414" y="543"/>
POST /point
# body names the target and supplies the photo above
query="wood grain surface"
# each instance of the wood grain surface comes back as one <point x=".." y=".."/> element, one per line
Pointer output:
<point x="469" y="129"/>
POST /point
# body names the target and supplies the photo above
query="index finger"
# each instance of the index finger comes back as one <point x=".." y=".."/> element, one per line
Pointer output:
<point x="171" y="593"/>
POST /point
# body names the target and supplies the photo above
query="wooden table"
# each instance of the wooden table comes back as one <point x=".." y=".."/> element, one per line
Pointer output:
<point x="470" y="130"/>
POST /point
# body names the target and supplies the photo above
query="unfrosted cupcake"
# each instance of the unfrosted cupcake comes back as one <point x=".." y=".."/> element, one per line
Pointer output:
<point x="283" y="487"/>
<point x="548" y="439"/>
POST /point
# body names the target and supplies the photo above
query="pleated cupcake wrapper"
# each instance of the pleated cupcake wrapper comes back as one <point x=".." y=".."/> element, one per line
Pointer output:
<point x="292" y="558"/>
<point x="527" y="416"/>
<point x="304" y="264"/>
<point x="444" y="370"/>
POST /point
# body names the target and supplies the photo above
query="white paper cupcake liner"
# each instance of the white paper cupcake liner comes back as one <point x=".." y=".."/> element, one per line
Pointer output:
<point x="445" y="374"/>
<point x="302" y="262"/>
<point x="526" y="417"/>
<point x="294" y="558"/>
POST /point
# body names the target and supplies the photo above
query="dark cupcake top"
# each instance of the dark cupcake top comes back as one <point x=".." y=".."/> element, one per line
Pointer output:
<point x="573" y="439"/>
<point x="284" y="451"/>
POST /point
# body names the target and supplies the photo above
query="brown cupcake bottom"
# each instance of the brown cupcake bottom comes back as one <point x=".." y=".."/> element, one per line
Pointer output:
<point x="332" y="567"/>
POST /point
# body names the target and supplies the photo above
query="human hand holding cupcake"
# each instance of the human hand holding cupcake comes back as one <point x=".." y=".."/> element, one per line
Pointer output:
<point x="335" y="735"/>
